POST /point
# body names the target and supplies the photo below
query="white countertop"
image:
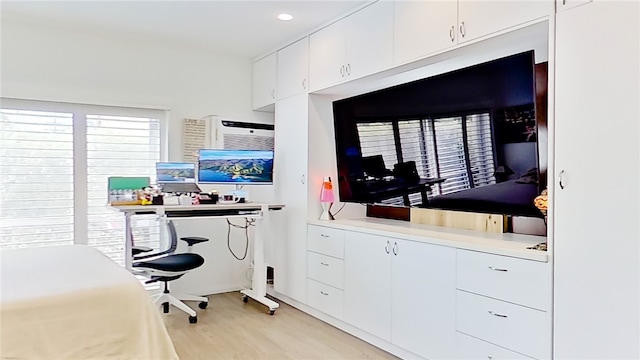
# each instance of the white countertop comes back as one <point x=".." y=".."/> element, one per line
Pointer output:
<point x="508" y="244"/>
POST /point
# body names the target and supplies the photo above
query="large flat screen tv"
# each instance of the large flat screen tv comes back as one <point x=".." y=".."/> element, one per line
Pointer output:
<point x="465" y="140"/>
<point x="218" y="166"/>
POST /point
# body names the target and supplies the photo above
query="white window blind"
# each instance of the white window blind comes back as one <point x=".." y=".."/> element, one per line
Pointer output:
<point x="55" y="166"/>
<point x="119" y="146"/>
<point x="36" y="172"/>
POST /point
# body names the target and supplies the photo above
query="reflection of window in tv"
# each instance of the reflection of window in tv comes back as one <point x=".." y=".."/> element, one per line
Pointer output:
<point x="457" y="147"/>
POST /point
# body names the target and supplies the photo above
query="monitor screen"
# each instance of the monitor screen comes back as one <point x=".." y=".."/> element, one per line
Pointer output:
<point x="235" y="166"/>
<point x="172" y="172"/>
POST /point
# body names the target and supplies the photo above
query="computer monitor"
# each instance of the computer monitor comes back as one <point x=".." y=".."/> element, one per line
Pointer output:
<point x="175" y="172"/>
<point x="239" y="167"/>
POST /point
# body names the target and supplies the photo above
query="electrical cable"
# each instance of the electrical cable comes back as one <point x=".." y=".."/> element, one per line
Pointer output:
<point x="342" y="207"/>
<point x="246" y="232"/>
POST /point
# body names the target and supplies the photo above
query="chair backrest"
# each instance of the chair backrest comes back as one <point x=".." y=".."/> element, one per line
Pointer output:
<point x="173" y="236"/>
<point x="406" y="171"/>
<point x="173" y="243"/>
<point x="374" y="166"/>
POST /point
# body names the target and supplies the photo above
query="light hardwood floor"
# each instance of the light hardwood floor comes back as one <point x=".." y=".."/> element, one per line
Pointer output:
<point x="231" y="329"/>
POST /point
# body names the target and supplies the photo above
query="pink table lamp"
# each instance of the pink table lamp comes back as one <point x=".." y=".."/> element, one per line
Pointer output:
<point x="326" y="198"/>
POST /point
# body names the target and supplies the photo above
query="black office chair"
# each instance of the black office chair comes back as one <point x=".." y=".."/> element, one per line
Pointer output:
<point x="167" y="266"/>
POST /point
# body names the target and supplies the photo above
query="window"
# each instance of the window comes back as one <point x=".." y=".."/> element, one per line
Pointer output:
<point x="458" y="148"/>
<point x="55" y="165"/>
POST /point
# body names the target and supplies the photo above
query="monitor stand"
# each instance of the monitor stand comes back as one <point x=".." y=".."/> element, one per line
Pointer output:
<point x="242" y="194"/>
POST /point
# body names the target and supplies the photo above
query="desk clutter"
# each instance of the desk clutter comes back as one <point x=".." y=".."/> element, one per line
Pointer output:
<point x="139" y="191"/>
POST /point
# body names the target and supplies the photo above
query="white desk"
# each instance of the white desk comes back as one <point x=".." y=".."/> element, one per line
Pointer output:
<point x="257" y="211"/>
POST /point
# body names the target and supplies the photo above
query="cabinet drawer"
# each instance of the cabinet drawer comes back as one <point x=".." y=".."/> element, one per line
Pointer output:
<point x="470" y="348"/>
<point x="520" y="281"/>
<point x="521" y="329"/>
<point x="326" y="241"/>
<point x="326" y="269"/>
<point x="325" y="298"/>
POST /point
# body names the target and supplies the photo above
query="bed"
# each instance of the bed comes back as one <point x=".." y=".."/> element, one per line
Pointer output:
<point x="511" y="197"/>
<point x="72" y="302"/>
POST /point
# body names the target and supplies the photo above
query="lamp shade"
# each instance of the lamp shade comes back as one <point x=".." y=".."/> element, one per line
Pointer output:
<point x="326" y="193"/>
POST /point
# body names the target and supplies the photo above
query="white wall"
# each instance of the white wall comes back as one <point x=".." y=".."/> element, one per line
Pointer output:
<point x="57" y="62"/>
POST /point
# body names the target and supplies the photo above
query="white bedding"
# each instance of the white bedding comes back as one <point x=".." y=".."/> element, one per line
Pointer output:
<point x="72" y="302"/>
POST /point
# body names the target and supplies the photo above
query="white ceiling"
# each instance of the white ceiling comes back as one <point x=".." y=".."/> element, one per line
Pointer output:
<point x="242" y="28"/>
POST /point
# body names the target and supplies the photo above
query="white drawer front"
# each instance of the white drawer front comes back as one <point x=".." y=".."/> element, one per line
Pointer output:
<point x="326" y="241"/>
<point x="470" y="348"/>
<point x="326" y="269"/>
<point x="520" y="281"/>
<point x="325" y="298"/>
<point x="521" y="329"/>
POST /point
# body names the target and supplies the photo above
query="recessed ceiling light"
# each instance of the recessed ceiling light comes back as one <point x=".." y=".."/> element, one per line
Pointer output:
<point x="285" y="17"/>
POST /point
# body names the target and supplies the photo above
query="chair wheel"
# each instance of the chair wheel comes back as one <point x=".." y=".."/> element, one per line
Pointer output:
<point x="165" y="307"/>
<point x="245" y="299"/>
<point x="193" y="319"/>
<point x="272" y="311"/>
<point x="203" y="304"/>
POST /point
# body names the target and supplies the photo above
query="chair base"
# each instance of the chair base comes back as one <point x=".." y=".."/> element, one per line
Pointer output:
<point x="175" y="300"/>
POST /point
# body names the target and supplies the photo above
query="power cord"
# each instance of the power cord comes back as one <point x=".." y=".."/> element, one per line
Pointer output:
<point x="342" y="207"/>
<point x="248" y="222"/>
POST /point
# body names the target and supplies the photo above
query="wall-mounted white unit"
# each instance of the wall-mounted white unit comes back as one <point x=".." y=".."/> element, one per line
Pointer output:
<point x="242" y="135"/>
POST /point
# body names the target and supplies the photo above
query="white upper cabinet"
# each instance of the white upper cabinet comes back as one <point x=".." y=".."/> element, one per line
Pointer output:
<point x="480" y="18"/>
<point x="293" y="69"/>
<point x="356" y="46"/>
<point x="264" y="82"/>
<point x="423" y="27"/>
<point x="562" y="5"/>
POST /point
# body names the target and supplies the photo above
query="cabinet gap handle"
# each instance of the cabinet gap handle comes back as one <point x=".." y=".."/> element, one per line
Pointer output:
<point x="386" y="247"/>
<point x="497" y="269"/>
<point x="498" y="315"/>
<point x="324" y="235"/>
<point x="395" y="248"/>
<point x="462" y="30"/>
<point x="323" y="264"/>
<point x="323" y="293"/>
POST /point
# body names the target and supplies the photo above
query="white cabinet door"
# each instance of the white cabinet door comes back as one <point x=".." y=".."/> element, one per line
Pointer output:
<point x="264" y="82"/>
<point x="356" y="46"/>
<point x="480" y="18"/>
<point x="290" y="186"/>
<point x="367" y="283"/>
<point x="327" y="54"/>
<point x="293" y="66"/>
<point x="369" y="40"/>
<point x="423" y="27"/>
<point x="562" y="5"/>
<point x="423" y="298"/>
<point x="597" y="158"/>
